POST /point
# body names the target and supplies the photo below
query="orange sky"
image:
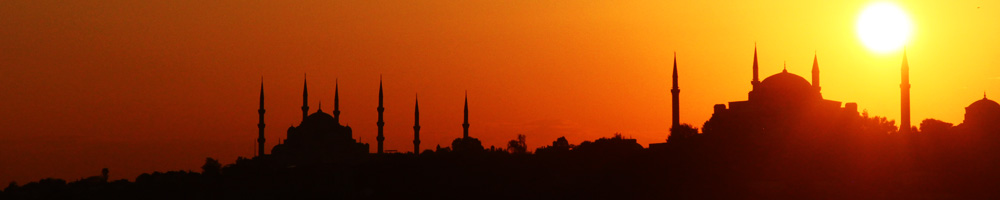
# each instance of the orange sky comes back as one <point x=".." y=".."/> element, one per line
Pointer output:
<point x="139" y="86"/>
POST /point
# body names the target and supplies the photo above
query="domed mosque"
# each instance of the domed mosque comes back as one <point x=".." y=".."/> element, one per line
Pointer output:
<point x="783" y="102"/>
<point x="319" y="136"/>
<point x="982" y="114"/>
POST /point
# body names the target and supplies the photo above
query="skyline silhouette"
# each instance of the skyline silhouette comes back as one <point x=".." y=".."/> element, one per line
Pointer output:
<point x="798" y="150"/>
<point x="784" y="91"/>
<point x="142" y="87"/>
<point x="785" y="134"/>
<point x="686" y="131"/>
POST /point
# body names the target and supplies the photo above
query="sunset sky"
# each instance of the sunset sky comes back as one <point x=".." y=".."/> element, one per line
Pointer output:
<point x="142" y="86"/>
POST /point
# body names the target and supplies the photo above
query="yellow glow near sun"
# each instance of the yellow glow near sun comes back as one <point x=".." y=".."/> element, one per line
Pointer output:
<point x="883" y="27"/>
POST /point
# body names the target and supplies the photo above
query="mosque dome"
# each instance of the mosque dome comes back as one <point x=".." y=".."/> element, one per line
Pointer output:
<point x="785" y="86"/>
<point x="319" y="118"/>
<point x="785" y="81"/>
<point x="982" y="112"/>
<point x="984" y="105"/>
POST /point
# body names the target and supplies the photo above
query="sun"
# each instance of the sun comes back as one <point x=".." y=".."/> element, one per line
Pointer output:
<point x="884" y="27"/>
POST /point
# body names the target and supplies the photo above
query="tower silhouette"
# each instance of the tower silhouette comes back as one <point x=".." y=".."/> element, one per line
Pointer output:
<point x="675" y="93"/>
<point x="465" y="125"/>
<point x="305" y="99"/>
<point x="380" y="123"/>
<point x="904" y="87"/>
<point x="336" y="102"/>
<point x="416" y="126"/>
<point x="815" y="72"/>
<point x="260" y="124"/>
<point x="755" y="80"/>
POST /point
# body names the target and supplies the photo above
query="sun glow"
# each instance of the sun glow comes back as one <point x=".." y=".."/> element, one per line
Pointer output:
<point x="883" y="27"/>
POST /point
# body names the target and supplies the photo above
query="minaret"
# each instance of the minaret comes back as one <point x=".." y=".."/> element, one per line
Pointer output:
<point x="465" y="125"/>
<point x="675" y="92"/>
<point x="305" y="99"/>
<point x="755" y="80"/>
<point x="380" y="123"/>
<point x="336" y="102"/>
<point x="905" y="97"/>
<point x="260" y="124"/>
<point x="416" y="126"/>
<point x="815" y="74"/>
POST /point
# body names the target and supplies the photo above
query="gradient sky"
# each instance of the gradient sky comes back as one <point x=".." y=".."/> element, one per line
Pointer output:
<point x="142" y="86"/>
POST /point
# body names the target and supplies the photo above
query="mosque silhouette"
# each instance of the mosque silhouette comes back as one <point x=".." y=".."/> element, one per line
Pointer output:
<point x="320" y="136"/>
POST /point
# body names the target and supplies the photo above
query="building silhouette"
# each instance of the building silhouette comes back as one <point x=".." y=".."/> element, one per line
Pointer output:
<point x="319" y="136"/>
<point x="305" y="98"/>
<point x="904" y="87"/>
<point x="336" y="101"/>
<point x="677" y="130"/>
<point x="982" y="116"/>
<point x="780" y="104"/>
<point x="380" y="123"/>
<point x="465" y="123"/>
<point x="416" y="125"/>
<point x="260" y="124"/>
<point x="675" y="93"/>
<point x="466" y="143"/>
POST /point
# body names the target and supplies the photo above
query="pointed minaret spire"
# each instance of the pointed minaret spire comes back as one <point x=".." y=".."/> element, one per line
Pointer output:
<point x="260" y="123"/>
<point x="380" y="123"/>
<point x="416" y="125"/>
<point x="675" y="94"/>
<point x="815" y="71"/>
<point x="675" y="70"/>
<point x="784" y="67"/>
<point x="465" y="125"/>
<point x="755" y="80"/>
<point x="305" y="98"/>
<point x="904" y="87"/>
<point x="336" y="102"/>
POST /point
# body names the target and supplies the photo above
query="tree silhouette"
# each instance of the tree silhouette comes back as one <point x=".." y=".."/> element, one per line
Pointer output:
<point x="518" y="145"/>
<point x="211" y="167"/>
<point x="616" y="145"/>
<point x="682" y="132"/>
<point x="12" y="186"/>
<point x="934" y="126"/>
<point x="876" y="124"/>
<point x="104" y="173"/>
<point x="469" y="144"/>
<point x="560" y="146"/>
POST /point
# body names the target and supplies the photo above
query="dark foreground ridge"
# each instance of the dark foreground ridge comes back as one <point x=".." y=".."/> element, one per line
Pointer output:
<point x="938" y="162"/>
